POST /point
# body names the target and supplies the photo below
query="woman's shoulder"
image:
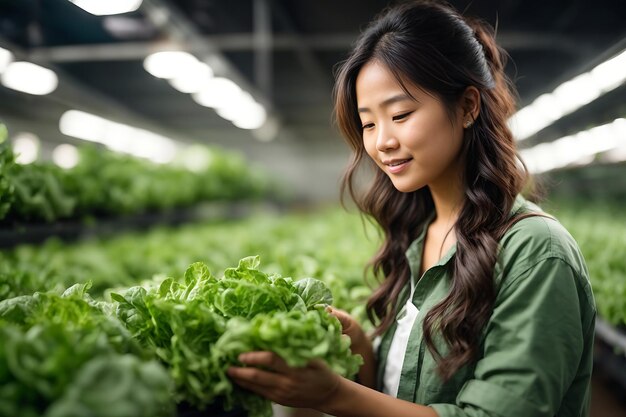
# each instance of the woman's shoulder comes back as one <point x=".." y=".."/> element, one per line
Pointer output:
<point x="536" y="238"/>
<point x="539" y="256"/>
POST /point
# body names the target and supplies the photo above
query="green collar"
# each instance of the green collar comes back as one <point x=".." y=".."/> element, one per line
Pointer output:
<point x="414" y="251"/>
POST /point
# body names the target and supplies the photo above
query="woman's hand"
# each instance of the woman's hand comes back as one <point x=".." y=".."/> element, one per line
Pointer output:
<point x="308" y="387"/>
<point x="350" y="327"/>
<point x="316" y="386"/>
<point x="360" y="344"/>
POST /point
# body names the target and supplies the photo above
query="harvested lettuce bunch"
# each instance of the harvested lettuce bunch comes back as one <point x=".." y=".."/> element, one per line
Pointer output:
<point x="296" y="336"/>
<point x="200" y="324"/>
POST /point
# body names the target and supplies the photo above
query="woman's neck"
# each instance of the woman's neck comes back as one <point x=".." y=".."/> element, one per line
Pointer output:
<point x="448" y="201"/>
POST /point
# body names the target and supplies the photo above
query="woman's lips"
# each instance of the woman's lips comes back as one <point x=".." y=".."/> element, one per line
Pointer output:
<point x="396" y="166"/>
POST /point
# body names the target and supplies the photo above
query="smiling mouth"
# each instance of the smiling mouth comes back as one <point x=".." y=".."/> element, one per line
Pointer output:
<point x="397" y="162"/>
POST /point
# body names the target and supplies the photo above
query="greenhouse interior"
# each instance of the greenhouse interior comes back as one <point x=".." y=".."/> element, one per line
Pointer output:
<point x="172" y="196"/>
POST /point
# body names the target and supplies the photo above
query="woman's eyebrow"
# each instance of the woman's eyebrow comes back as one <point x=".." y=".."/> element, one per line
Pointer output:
<point x="387" y="102"/>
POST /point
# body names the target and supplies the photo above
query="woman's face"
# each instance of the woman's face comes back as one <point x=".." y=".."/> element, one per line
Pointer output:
<point x="412" y="140"/>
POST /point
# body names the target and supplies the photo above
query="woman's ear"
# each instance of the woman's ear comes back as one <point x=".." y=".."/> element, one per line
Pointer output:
<point x="470" y="103"/>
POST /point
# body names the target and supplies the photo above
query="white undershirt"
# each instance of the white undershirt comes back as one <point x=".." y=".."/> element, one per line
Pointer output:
<point x="397" y="350"/>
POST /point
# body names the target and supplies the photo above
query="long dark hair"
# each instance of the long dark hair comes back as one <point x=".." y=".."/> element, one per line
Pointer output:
<point x="432" y="46"/>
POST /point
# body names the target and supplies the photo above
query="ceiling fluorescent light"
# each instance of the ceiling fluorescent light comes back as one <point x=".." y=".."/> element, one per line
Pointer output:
<point x="81" y="125"/>
<point x="118" y="136"/>
<point x="29" y="78"/>
<point x="26" y="147"/>
<point x="65" y="155"/>
<point x="5" y="59"/>
<point x="610" y="74"/>
<point x="252" y="116"/>
<point x="218" y="93"/>
<point x="107" y="7"/>
<point x="232" y="103"/>
<point x="152" y="146"/>
<point x="616" y="155"/>
<point x="193" y="78"/>
<point x="569" y="97"/>
<point x="575" y="148"/>
<point x="169" y="64"/>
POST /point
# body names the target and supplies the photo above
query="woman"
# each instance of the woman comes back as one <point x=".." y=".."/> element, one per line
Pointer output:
<point x="485" y="307"/>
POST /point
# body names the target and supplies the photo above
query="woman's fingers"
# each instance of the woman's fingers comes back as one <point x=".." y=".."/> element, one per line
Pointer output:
<point x="254" y="387"/>
<point x="254" y="377"/>
<point x="242" y="381"/>
<point x="349" y="326"/>
<point x="318" y="364"/>
<point x="275" y="384"/>
<point x="307" y="386"/>
<point x="265" y="359"/>
<point x="343" y="317"/>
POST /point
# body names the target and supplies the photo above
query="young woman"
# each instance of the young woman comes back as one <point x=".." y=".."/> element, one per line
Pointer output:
<point x="485" y="307"/>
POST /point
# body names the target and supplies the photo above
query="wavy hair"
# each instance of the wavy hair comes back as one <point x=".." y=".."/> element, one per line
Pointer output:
<point x="430" y="45"/>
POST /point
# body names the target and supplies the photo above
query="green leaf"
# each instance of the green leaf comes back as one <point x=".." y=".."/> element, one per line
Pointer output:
<point x="313" y="291"/>
<point x="197" y="272"/>
<point x="77" y="290"/>
<point x="117" y="297"/>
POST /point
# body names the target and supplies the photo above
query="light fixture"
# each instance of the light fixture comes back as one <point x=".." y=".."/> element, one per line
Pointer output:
<point x="107" y="7"/>
<point x="26" y="147"/>
<point x="252" y="116"/>
<point x="577" y="148"/>
<point x="218" y="93"/>
<point x="118" y="137"/>
<point x="81" y="125"/>
<point x="569" y="97"/>
<point x="169" y="64"/>
<point x="188" y="75"/>
<point x="29" y="78"/>
<point x="232" y="106"/>
<point x="232" y="103"/>
<point x="193" y="78"/>
<point x="6" y="57"/>
<point x="65" y="155"/>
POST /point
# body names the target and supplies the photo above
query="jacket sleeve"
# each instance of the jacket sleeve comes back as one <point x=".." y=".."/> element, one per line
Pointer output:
<point x="536" y="342"/>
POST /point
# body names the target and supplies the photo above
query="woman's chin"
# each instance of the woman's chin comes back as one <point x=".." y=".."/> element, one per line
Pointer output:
<point x="406" y="187"/>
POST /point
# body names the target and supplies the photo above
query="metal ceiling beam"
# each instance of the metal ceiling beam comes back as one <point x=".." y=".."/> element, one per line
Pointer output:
<point x="305" y="54"/>
<point x="575" y="45"/>
<point x="263" y="68"/>
<point x="233" y="43"/>
<point x="578" y="45"/>
<point x="243" y="41"/>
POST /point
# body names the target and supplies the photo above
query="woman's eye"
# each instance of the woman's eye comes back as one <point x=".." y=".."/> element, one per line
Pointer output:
<point x="401" y="116"/>
<point x="368" y="125"/>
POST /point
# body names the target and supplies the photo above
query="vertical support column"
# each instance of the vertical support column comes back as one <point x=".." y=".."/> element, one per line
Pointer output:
<point x="263" y="48"/>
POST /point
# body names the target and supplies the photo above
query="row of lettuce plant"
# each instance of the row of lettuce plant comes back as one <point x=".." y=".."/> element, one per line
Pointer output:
<point x="108" y="184"/>
<point x="329" y="244"/>
<point x="600" y="230"/>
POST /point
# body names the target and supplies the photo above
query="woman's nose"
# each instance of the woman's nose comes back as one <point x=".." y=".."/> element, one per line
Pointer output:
<point x="386" y="141"/>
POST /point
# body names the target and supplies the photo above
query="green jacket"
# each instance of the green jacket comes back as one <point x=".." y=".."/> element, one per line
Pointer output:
<point x="536" y="353"/>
